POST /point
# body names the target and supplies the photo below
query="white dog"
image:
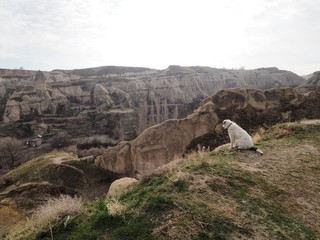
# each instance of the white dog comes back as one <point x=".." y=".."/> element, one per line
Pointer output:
<point x="239" y="137"/>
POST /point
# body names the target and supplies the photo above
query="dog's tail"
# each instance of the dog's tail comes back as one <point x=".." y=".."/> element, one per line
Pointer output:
<point x="256" y="149"/>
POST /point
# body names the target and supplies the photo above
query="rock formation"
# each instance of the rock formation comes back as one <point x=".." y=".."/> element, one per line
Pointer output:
<point x="312" y="83"/>
<point x="159" y="144"/>
<point x="121" y="186"/>
<point x="33" y="100"/>
<point x="95" y="99"/>
<point x="250" y="108"/>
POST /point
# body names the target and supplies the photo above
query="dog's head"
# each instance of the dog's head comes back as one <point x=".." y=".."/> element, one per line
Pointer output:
<point x="226" y="123"/>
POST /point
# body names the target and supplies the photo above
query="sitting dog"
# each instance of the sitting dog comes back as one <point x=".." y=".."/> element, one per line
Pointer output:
<point x="239" y="137"/>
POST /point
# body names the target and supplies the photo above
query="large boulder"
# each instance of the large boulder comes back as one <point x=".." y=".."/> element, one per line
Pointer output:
<point x="158" y="144"/>
<point x="120" y="186"/>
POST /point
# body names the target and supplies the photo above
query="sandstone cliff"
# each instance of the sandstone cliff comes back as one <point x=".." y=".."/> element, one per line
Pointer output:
<point x="96" y="98"/>
<point x="250" y="108"/>
<point x="33" y="100"/>
<point x="159" y="144"/>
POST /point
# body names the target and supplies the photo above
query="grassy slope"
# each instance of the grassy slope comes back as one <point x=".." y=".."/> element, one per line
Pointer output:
<point x="226" y="194"/>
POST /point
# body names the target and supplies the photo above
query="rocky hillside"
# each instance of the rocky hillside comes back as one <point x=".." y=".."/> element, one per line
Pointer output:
<point x="221" y="194"/>
<point x="250" y="108"/>
<point x="312" y="83"/>
<point x="119" y="102"/>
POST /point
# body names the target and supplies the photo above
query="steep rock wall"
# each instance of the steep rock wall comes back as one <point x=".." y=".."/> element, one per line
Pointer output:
<point x="250" y="108"/>
<point x="159" y="144"/>
<point x="154" y="95"/>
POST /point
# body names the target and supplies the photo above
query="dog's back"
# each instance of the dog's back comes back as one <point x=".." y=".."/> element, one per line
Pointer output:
<point x="239" y="136"/>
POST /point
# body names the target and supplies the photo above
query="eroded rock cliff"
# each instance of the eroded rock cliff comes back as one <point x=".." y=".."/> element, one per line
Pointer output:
<point x="33" y="100"/>
<point x="312" y="83"/>
<point x="159" y="144"/>
<point x="250" y="108"/>
<point x="141" y="97"/>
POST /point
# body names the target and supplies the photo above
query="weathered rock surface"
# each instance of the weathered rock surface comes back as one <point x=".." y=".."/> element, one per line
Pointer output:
<point x="91" y="97"/>
<point x="253" y="107"/>
<point x="120" y="186"/>
<point x="312" y="83"/>
<point x="33" y="100"/>
<point x="250" y="108"/>
<point x="159" y="144"/>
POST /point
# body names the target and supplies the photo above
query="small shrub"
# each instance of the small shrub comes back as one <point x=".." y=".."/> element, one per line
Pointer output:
<point x="199" y="157"/>
<point x="56" y="208"/>
<point x="115" y="208"/>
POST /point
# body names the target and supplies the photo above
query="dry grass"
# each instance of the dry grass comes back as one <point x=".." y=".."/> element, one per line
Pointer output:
<point x="199" y="157"/>
<point x="115" y="208"/>
<point x="257" y="137"/>
<point x="45" y="215"/>
<point x="57" y="208"/>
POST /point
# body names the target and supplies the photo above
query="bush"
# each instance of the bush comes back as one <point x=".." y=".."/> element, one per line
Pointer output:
<point x="56" y="208"/>
<point x="11" y="150"/>
<point x="115" y="208"/>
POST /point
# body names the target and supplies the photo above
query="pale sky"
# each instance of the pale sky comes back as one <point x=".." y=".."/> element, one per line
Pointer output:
<point x="71" y="34"/>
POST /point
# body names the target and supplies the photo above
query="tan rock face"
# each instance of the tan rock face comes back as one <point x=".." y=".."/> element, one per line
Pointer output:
<point x="312" y="83"/>
<point x="250" y="108"/>
<point x="37" y="99"/>
<point x="140" y="97"/>
<point x="239" y="104"/>
<point x="159" y="144"/>
<point x="120" y="186"/>
<point x="32" y="99"/>
<point x="253" y="109"/>
<point x="101" y="95"/>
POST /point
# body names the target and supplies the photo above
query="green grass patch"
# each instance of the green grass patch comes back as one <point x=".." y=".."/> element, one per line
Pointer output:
<point x="97" y="222"/>
<point x="32" y="170"/>
<point x="295" y="134"/>
<point x="182" y="185"/>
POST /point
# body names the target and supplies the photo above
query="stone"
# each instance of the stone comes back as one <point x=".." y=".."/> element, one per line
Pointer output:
<point x="158" y="144"/>
<point x="120" y="186"/>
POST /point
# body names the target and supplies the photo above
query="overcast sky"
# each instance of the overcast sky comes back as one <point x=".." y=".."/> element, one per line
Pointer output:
<point x="70" y="34"/>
